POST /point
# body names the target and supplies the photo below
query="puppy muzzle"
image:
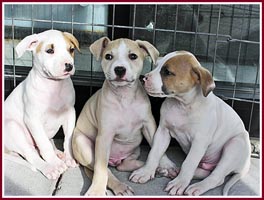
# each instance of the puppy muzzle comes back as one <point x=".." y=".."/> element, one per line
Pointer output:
<point x="120" y="71"/>
<point x="68" y="67"/>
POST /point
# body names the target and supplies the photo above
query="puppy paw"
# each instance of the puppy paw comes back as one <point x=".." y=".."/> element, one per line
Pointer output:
<point x="67" y="159"/>
<point x="93" y="191"/>
<point x="177" y="186"/>
<point x="70" y="162"/>
<point x="201" y="187"/>
<point x="168" y="169"/>
<point x="122" y="189"/>
<point x="167" y="172"/>
<point x="60" y="154"/>
<point x="142" y="175"/>
<point x="53" y="172"/>
<point x="193" y="190"/>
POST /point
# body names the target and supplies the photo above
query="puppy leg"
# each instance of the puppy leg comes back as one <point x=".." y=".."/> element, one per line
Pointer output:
<point x="201" y="173"/>
<point x="166" y="167"/>
<point x="43" y="143"/>
<point x="160" y="144"/>
<point x="83" y="151"/>
<point x="17" y="142"/>
<point x="68" y="127"/>
<point x="131" y="163"/>
<point x="237" y="149"/>
<point x="119" y="188"/>
<point x="178" y="185"/>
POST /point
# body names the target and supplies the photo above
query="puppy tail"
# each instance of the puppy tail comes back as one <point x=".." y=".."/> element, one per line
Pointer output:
<point x="231" y="182"/>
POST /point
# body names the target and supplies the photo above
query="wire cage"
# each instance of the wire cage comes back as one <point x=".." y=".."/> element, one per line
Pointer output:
<point x="224" y="37"/>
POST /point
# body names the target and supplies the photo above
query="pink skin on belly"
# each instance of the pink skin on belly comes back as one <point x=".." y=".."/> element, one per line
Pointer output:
<point x="209" y="162"/>
<point x="116" y="161"/>
<point x="118" y="153"/>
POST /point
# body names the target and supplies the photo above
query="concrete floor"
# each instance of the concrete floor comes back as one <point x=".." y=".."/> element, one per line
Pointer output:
<point x="21" y="181"/>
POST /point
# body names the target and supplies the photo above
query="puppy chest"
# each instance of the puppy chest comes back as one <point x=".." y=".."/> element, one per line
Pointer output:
<point x="128" y="121"/>
<point x="177" y="120"/>
<point x="180" y="129"/>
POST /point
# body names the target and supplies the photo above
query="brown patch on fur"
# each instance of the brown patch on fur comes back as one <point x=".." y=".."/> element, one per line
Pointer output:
<point x="38" y="49"/>
<point x="181" y="81"/>
<point x="72" y="43"/>
<point x="186" y="73"/>
<point x="49" y="46"/>
<point x="205" y="79"/>
<point x="131" y="45"/>
<point x="104" y="45"/>
<point x="99" y="46"/>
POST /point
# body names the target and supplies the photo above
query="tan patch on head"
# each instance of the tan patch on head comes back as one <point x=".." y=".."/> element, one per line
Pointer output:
<point x="49" y="46"/>
<point x="38" y="49"/>
<point x="71" y="42"/>
<point x="131" y="46"/>
<point x="186" y="72"/>
<point x="181" y="79"/>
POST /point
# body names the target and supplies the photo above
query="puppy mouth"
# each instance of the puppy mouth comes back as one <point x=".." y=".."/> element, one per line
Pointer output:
<point x="154" y="93"/>
<point x="49" y="75"/>
<point x="122" y="80"/>
<point x="157" y="94"/>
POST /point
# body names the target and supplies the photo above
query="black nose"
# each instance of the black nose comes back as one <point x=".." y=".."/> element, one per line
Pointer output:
<point x="68" y="67"/>
<point x="120" y="71"/>
<point x="141" y="78"/>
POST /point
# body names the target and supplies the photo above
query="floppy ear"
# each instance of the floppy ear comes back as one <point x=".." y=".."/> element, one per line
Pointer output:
<point x="148" y="49"/>
<point x="72" y="39"/>
<point x="98" y="47"/>
<point x="205" y="79"/>
<point x="29" y="43"/>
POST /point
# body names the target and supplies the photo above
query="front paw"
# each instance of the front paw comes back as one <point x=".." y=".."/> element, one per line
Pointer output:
<point x="54" y="171"/>
<point x="168" y="169"/>
<point x="67" y="159"/>
<point x="122" y="189"/>
<point x="93" y="191"/>
<point x="70" y="162"/>
<point x="142" y="175"/>
<point x="177" y="186"/>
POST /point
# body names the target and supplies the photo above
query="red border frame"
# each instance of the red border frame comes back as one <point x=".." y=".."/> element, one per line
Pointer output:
<point x="123" y="1"/>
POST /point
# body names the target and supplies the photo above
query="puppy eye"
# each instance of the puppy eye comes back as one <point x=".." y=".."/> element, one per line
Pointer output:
<point x="72" y="50"/>
<point x="50" y="51"/>
<point x="166" y="72"/>
<point x="132" y="56"/>
<point x="108" y="57"/>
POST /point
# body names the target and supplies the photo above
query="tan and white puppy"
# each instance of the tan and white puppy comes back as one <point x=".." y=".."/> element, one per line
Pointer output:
<point x="110" y="126"/>
<point x="42" y="103"/>
<point x="208" y="130"/>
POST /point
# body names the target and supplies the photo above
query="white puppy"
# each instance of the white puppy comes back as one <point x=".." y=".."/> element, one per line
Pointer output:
<point x="110" y="126"/>
<point x="42" y="103"/>
<point x="208" y="130"/>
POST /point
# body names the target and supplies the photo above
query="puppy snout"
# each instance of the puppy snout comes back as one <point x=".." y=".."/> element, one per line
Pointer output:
<point x="68" y="67"/>
<point x="141" y="78"/>
<point x="145" y="78"/>
<point x="120" y="71"/>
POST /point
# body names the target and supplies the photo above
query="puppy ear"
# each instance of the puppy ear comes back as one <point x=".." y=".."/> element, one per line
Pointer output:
<point x="148" y="49"/>
<point x="204" y="78"/>
<point x="29" y="43"/>
<point x="72" y="39"/>
<point x="98" y="47"/>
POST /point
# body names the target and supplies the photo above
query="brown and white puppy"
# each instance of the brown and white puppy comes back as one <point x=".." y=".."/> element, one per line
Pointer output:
<point x="110" y="126"/>
<point x="42" y="103"/>
<point x="208" y="130"/>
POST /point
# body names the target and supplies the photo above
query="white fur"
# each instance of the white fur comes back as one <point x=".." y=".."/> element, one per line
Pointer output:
<point x="114" y="120"/>
<point x="40" y="105"/>
<point x="209" y="132"/>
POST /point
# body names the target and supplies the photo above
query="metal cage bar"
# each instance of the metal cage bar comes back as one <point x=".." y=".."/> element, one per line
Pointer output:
<point x="215" y="13"/>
